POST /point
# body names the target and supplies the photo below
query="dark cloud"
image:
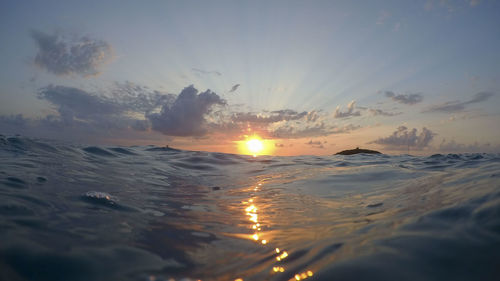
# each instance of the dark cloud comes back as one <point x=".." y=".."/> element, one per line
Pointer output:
<point x="455" y="106"/>
<point x="272" y="117"/>
<point x="105" y="130"/>
<point x="205" y="72"/>
<point x="234" y="88"/>
<point x="350" y="111"/>
<point x="186" y="116"/>
<point x="409" y="99"/>
<point x="61" y="56"/>
<point x="403" y="138"/>
<point x="128" y="109"/>
<point x="74" y="103"/>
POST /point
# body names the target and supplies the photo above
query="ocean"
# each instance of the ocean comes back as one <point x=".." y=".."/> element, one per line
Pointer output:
<point x="76" y="212"/>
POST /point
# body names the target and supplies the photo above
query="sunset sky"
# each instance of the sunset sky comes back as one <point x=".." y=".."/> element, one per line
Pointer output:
<point x="308" y="77"/>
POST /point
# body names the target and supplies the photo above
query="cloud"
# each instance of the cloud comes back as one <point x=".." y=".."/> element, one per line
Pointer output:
<point x="350" y="111"/>
<point x="74" y="103"/>
<point x="377" y="112"/>
<point x="61" y="56"/>
<point x="186" y="116"/>
<point x="273" y="117"/>
<point x="284" y="123"/>
<point x="234" y="88"/>
<point x="455" y="106"/>
<point x="403" y="138"/>
<point x="127" y="111"/>
<point x="315" y="144"/>
<point x="316" y="130"/>
<point x="124" y="103"/>
<point x="295" y="132"/>
<point x="452" y="146"/>
<point x="279" y="145"/>
<point x="480" y="97"/>
<point x="312" y="116"/>
<point x="409" y="99"/>
<point x="139" y="98"/>
<point x="200" y="72"/>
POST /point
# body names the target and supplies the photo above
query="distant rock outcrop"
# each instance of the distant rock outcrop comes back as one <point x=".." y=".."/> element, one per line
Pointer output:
<point x="357" y="151"/>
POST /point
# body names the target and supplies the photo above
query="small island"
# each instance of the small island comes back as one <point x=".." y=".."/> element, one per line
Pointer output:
<point x="357" y="151"/>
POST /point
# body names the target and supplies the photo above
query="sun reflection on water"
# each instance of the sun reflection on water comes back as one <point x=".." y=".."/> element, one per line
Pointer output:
<point x="251" y="211"/>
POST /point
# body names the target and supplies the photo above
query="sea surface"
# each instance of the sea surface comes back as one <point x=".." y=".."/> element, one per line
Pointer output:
<point x="76" y="212"/>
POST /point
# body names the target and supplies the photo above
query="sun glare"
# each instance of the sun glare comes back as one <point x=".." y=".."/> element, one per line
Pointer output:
<point x="254" y="145"/>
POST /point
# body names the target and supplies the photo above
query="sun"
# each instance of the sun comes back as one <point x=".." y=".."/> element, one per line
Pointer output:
<point x="255" y="146"/>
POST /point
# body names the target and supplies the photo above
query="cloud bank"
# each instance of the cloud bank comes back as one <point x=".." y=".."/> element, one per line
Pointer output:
<point x="129" y="109"/>
<point x="61" y="56"/>
<point x="403" y="138"/>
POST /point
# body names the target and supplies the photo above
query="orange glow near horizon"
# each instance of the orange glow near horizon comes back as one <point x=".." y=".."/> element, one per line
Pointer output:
<point x="255" y="145"/>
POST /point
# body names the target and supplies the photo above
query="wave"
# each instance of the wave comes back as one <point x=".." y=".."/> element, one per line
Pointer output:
<point x="73" y="212"/>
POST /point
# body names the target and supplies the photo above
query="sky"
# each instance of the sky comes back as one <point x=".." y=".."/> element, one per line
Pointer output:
<point x="306" y="77"/>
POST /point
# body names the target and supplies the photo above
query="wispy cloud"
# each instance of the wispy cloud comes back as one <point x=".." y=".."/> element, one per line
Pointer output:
<point x="409" y="99"/>
<point x="315" y="144"/>
<point x="272" y="117"/>
<point x="403" y="138"/>
<point x="234" y="88"/>
<point x="349" y="113"/>
<point x="453" y="146"/>
<point x="291" y="131"/>
<point x="455" y="106"/>
<point x="377" y="112"/>
<point x="198" y="71"/>
<point x="62" y="56"/>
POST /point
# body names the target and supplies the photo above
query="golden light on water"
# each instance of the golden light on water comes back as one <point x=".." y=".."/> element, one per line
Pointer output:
<point x="251" y="211"/>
